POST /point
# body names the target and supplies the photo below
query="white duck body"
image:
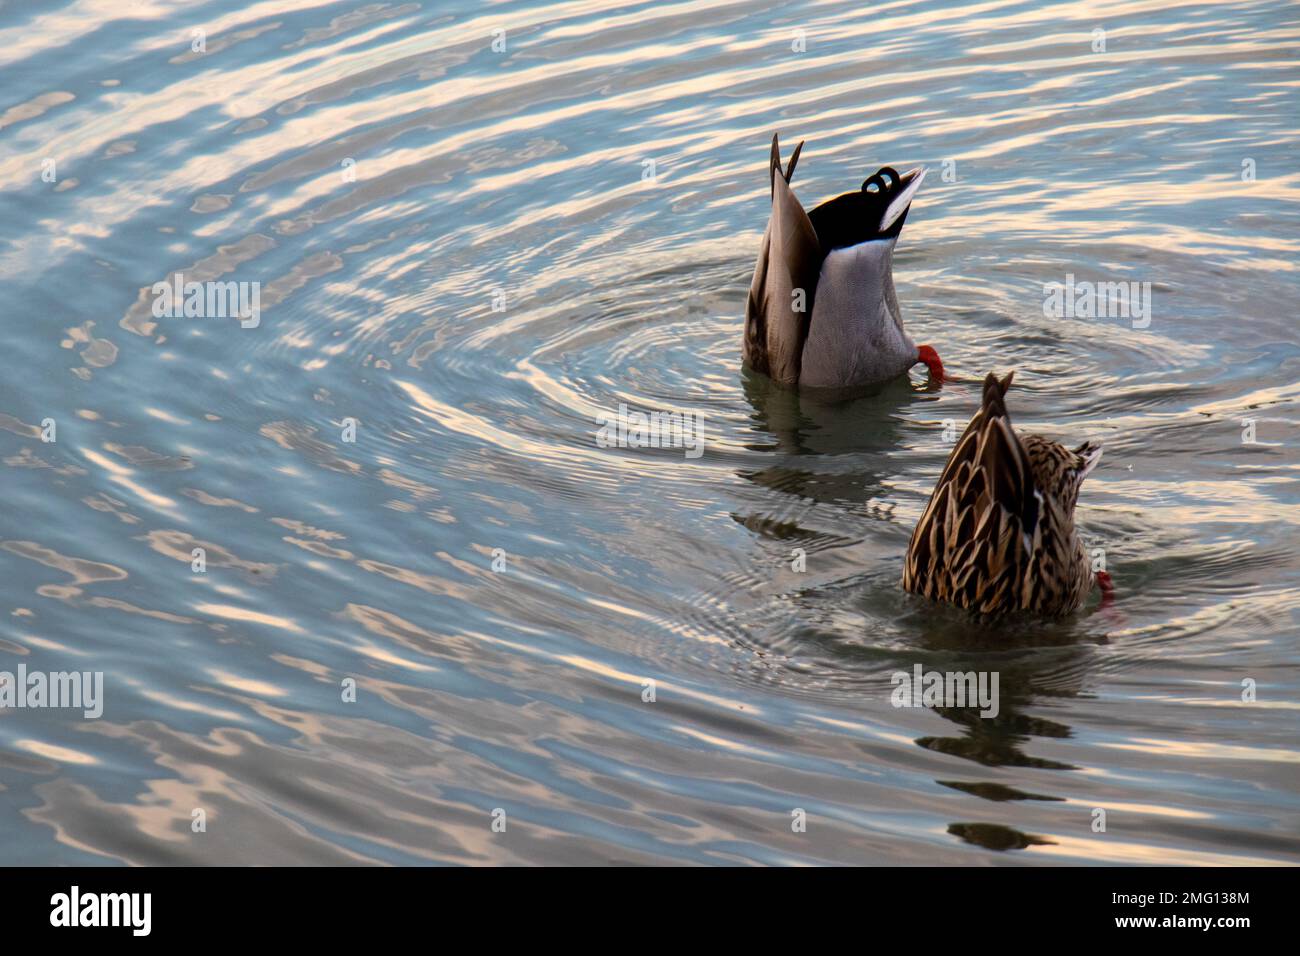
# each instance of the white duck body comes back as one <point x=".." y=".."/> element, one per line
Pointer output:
<point x="856" y="336"/>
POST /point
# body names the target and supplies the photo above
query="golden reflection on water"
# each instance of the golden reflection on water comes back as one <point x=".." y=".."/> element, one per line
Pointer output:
<point x="523" y="687"/>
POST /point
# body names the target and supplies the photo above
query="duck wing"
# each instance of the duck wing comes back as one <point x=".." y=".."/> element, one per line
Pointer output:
<point x="790" y="258"/>
<point x="976" y="539"/>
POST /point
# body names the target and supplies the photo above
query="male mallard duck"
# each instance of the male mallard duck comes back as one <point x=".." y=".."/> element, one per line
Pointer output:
<point x="998" y="534"/>
<point x="822" y="312"/>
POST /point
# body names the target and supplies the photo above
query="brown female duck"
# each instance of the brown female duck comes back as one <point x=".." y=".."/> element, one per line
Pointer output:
<point x="998" y="534"/>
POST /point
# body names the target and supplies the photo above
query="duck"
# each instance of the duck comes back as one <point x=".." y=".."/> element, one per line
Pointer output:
<point x="822" y="312"/>
<point x="998" y="533"/>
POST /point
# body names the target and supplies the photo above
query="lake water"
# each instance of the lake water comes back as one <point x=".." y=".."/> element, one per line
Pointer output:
<point x="465" y="257"/>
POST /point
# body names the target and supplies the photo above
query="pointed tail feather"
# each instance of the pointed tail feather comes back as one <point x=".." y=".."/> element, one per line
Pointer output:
<point x="774" y="162"/>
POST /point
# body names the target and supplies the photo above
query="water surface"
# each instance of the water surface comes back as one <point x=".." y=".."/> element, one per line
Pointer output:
<point x="472" y="254"/>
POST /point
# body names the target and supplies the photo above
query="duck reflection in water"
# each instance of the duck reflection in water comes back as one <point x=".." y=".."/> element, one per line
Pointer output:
<point x="1036" y="664"/>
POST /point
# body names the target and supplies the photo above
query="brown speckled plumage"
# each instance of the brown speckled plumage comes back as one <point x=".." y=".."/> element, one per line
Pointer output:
<point x="998" y="534"/>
